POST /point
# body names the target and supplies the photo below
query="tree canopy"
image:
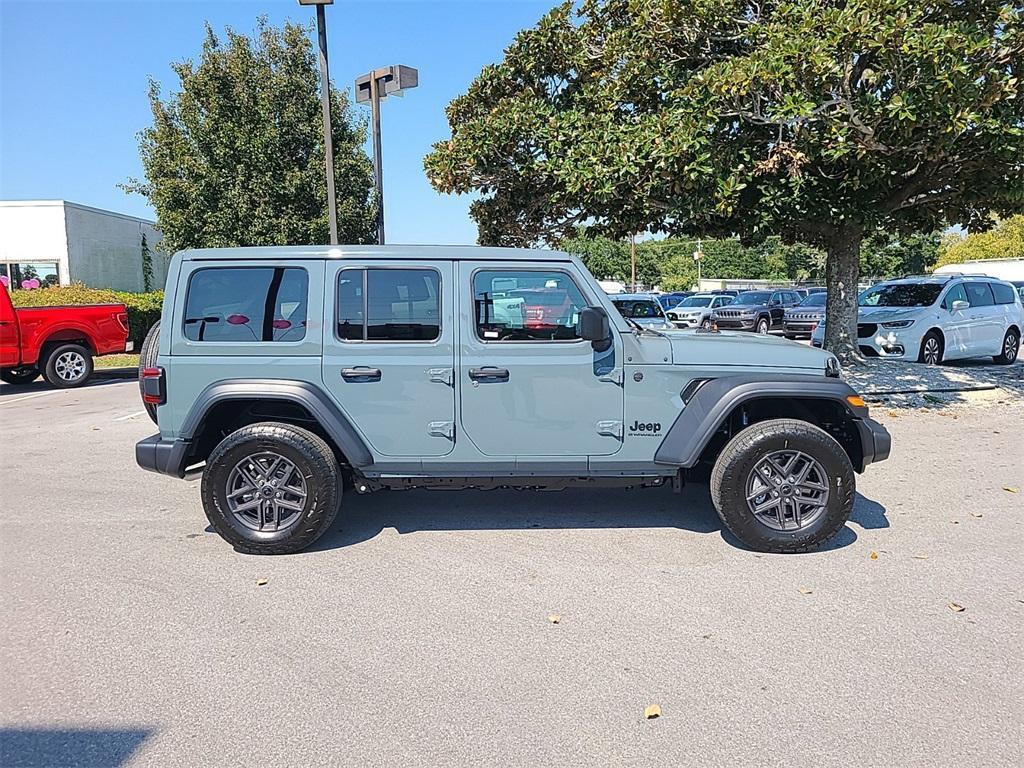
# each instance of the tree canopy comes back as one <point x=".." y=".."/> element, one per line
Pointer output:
<point x="236" y="155"/>
<point x="814" y="121"/>
<point x="1004" y="241"/>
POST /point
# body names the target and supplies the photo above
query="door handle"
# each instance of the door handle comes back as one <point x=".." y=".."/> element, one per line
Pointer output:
<point x="360" y="374"/>
<point x="489" y="373"/>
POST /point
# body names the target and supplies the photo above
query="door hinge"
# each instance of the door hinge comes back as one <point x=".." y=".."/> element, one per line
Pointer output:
<point x="610" y="428"/>
<point x="442" y="375"/>
<point x="441" y="429"/>
<point x="615" y="376"/>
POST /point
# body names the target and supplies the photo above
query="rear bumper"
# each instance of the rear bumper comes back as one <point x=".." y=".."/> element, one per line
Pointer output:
<point x="875" y="441"/>
<point x="167" y="457"/>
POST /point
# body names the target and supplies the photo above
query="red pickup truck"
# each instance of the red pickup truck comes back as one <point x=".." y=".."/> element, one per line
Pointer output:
<point x="58" y="342"/>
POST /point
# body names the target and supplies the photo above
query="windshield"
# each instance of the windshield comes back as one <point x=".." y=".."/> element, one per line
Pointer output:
<point x="753" y="297"/>
<point x="696" y="301"/>
<point x="638" y="308"/>
<point x="814" y="300"/>
<point x="901" y="295"/>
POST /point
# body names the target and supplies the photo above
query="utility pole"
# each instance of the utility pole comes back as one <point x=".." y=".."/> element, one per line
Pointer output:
<point x="325" y="103"/>
<point x="632" y="262"/>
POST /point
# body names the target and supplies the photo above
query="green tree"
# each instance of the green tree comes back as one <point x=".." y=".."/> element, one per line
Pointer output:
<point x="889" y="254"/>
<point x="236" y="156"/>
<point x="816" y="121"/>
<point x="147" y="266"/>
<point x="1004" y="241"/>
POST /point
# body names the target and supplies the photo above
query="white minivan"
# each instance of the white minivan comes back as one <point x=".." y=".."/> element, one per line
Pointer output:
<point x="938" y="318"/>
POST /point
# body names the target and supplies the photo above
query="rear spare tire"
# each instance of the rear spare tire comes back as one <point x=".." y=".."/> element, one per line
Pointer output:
<point x="147" y="359"/>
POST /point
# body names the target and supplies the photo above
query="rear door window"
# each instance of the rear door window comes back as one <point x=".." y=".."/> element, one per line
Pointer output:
<point x="389" y="305"/>
<point x="979" y="294"/>
<point x="246" y="304"/>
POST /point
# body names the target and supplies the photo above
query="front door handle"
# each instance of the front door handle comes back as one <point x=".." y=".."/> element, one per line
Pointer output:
<point x="490" y="373"/>
<point x="361" y="373"/>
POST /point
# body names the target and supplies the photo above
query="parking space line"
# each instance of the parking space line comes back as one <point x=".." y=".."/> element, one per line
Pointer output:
<point x="5" y="401"/>
<point x="130" y="416"/>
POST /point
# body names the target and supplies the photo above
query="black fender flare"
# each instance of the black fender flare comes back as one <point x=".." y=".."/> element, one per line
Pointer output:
<point x="705" y="411"/>
<point x="310" y="397"/>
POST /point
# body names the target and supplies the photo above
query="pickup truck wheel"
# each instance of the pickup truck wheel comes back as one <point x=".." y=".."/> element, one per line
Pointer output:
<point x="69" y="365"/>
<point x="271" y="488"/>
<point x="763" y="326"/>
<point x="783" y="486"/>
<point x="147" y="359"/>
<point x="24" y="375"/>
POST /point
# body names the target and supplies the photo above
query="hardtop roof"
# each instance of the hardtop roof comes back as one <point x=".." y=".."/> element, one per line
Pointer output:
<point x="438" y="252"/>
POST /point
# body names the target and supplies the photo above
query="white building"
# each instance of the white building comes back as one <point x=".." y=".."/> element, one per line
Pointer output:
<point x="59" y="242"/>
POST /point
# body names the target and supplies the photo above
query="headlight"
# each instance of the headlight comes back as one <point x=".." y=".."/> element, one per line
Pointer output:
<point x="898" y="324"/>
<point x="832" y="368"/>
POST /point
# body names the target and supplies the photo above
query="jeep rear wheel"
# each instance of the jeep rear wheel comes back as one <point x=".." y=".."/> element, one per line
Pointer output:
<point x="783" y="486"/>
<point x="271" y="488"/>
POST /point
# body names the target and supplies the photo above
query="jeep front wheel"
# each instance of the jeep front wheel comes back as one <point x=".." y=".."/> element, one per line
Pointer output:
<point x="271" y="488"/>
<point x="783" y="486"/>
<point x="763" y="326"/>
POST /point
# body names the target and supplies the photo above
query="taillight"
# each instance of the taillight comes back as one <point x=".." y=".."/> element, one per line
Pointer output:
<point x="153" y="388"/>
<point x="122" y="318"/>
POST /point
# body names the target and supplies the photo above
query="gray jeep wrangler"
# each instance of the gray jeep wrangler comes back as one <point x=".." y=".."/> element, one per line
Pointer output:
<point x="286" y="376"/>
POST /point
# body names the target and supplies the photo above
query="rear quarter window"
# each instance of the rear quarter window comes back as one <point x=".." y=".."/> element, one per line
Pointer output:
<point x="1004" y="294"/>
<point x="246" y="304"/>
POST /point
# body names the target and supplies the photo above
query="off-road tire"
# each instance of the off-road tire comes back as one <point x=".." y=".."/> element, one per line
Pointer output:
<point x="923" y="354"/>
<point x="26" y="374"/>
<point x="311" y="456"/>
<point x="737" y="459"/>
<point x="54" y="359"/>
<point x="762" y="323"/>
<point x="1010" y="348"/>
<point x="147" y="359"/>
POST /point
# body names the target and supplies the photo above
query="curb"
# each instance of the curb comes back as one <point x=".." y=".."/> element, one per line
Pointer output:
<point x="115" y="373"/>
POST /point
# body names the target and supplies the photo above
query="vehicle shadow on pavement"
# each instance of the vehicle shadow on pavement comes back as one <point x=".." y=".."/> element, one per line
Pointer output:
<point x="85" y="747"/>
<point x="41" y="385"/>
<point x="363" y="517"/>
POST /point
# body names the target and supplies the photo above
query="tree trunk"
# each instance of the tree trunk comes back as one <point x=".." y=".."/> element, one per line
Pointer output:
<point x="841" y="273"/>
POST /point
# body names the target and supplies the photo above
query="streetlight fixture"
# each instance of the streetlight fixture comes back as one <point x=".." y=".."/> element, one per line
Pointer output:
<point x="373" y="87"/>
<point x="698" y="256"/>
<point x="325" y="102"/>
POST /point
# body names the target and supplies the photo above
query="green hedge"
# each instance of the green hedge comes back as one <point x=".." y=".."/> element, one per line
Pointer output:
<point x="143" y="308"/>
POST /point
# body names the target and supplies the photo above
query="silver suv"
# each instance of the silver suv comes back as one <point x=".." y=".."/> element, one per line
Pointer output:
<point x="286" y="377"/>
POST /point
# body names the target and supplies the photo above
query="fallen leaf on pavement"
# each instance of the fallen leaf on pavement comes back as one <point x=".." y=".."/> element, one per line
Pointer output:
<point x="806" y="591"/>
<point x="921" y="556"/>
<point x="894" y="414"/>
<point x="261" y="582"/>
<point x="555" y="618"/>
<point x="874" y="555"/>
<point x="652" y="711"/>
<point x="956" y="608"/>
<point x="975" y="514"/>
<point x="1011" y="489"/>
<point x="955" y="522"/>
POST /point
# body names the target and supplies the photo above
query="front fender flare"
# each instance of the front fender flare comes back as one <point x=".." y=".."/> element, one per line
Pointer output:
<point x="714" y="401"/>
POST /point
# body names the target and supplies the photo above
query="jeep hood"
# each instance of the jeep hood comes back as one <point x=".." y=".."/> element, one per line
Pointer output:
<point x="691" y="347"/>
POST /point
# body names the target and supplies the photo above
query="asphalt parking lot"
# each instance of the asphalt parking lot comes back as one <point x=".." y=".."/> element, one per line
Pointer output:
<point x="417" y="632"/>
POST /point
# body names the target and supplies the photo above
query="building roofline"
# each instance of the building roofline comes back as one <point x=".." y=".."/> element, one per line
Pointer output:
<point x="70" y="204"/>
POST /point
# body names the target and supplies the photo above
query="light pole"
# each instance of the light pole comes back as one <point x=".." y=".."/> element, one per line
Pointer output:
<point x="325" y="102"/>
<point x="698" y="256"/>
<point x="373" y="87"/>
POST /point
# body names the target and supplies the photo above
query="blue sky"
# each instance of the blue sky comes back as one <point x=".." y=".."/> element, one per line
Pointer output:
<point x="73" y="89"/>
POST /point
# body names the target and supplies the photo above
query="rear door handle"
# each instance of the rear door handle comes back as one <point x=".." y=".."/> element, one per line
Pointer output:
<point x="361" y="373"/>
<point x="490" y="373"/>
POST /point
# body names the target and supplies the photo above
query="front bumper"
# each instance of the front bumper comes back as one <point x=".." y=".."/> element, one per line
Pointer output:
<point x="799" y="326"/>
<point x="875" y="441"/>
<point x="736" y="323"/>
<point x="168" y="457"/>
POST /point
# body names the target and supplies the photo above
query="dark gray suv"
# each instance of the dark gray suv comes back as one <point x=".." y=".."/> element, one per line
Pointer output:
<point x="759" y="311"/>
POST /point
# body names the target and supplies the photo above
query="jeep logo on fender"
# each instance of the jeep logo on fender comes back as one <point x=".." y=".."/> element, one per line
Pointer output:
<point x="641" y="428"/>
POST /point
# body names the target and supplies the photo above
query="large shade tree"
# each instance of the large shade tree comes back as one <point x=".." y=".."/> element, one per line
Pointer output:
<point x="236" y="155"/>
<point x="814" y="120"/>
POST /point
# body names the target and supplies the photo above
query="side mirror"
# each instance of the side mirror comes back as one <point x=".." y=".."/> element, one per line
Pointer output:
<point x="595" y="327"/>
<point x="960" y="306"/>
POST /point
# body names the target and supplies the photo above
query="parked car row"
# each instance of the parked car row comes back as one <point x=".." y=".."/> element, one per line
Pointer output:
<point x="938" y="318"/>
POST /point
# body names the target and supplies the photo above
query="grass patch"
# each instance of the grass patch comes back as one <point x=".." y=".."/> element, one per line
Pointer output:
<point x="117" y="361"/>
